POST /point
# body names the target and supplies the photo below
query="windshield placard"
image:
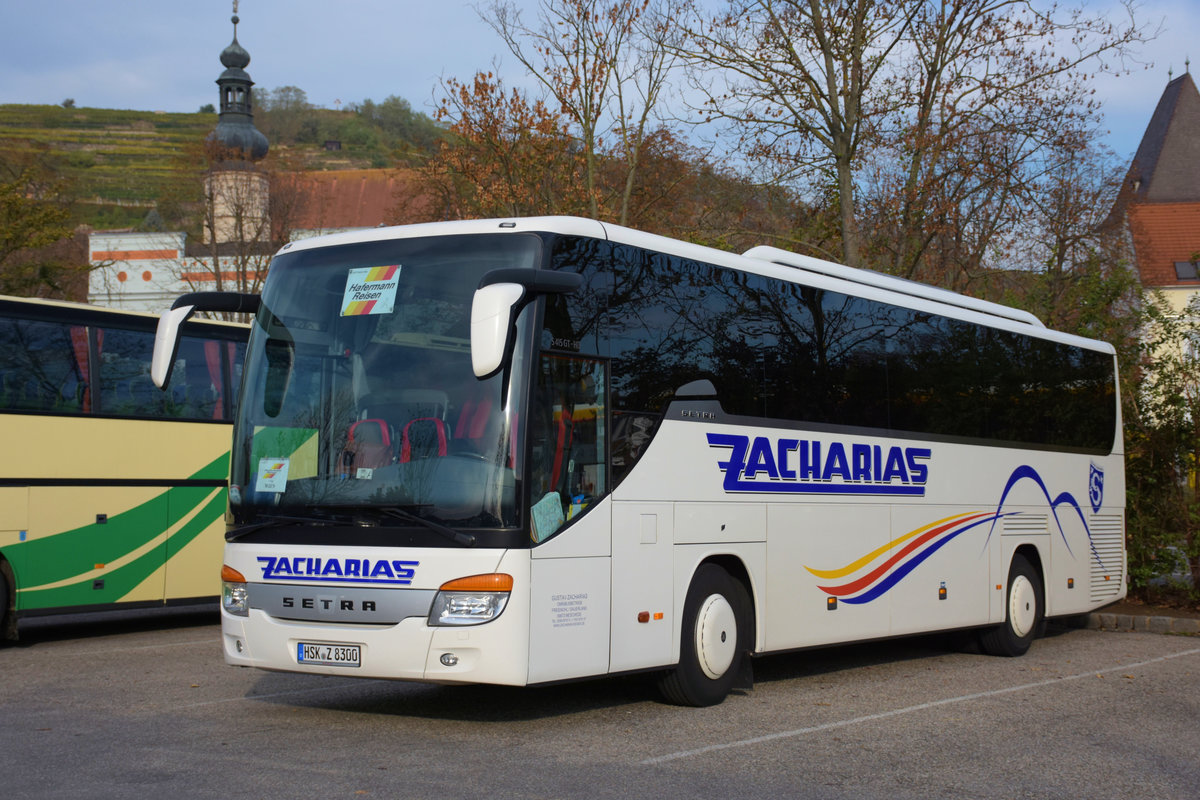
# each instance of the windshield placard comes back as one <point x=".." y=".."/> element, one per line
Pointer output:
<point x="272" y="475"/>
<point x="370" y="290"/>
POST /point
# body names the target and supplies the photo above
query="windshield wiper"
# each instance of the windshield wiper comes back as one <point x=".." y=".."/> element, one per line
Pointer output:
<point x="278" y="520"/>
<point x="458" y="537"/>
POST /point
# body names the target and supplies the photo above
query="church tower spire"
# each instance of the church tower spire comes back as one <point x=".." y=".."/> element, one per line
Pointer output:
<point x="235" y="132"/>
<point x="237" y="191"/>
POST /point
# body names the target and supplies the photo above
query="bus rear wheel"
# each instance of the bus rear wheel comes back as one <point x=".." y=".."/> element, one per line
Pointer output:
<point x="713" y="642"/>
<point x="1024" y="612"/>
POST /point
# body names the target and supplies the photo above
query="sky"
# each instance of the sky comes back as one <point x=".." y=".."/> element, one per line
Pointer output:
<point x="162" y="55"/>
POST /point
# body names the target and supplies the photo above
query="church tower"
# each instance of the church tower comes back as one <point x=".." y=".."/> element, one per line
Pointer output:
<point x="236" y="190"/>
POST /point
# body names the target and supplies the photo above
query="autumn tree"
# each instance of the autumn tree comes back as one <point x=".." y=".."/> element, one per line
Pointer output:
<point x="937" y="108"/>
<point x="1163" y="451"/>
<point x="996" y="91"/>
<point x="505" y="155"/>
<point x="37" y="254"/>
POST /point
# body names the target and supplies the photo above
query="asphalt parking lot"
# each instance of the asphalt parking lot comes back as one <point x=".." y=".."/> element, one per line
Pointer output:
<point x="147" y="709"/>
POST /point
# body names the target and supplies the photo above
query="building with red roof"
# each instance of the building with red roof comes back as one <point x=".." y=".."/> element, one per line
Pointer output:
<point x="1159" y="202"/>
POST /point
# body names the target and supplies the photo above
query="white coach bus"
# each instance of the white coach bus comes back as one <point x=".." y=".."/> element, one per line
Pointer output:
<point x="535" y="450"/>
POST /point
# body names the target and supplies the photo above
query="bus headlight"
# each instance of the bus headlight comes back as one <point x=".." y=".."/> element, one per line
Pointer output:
<point x="471" y="601"/>
<point x="234" y="598"/>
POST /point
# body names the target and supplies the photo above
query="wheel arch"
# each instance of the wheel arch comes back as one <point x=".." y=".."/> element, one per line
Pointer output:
<point x="1034" y="556"/>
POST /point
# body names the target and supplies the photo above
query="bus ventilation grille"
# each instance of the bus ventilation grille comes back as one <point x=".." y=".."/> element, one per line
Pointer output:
<point x="1108" y="571"/>
<point x="1025" y="523"/>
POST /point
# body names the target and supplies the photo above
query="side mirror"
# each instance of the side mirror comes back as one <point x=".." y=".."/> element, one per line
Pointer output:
<point x="501" y="295"/>
<point x="492" y="311"/>
<point x="166" y="338"/>
<point x="166" y="344"/>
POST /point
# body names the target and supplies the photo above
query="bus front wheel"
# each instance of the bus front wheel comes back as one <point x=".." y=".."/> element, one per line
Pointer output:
<point x="713" y="642"/>
<point x="1024" y="611"/>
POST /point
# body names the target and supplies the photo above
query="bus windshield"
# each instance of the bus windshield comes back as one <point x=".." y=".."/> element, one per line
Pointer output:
<point x="360" y="401"/>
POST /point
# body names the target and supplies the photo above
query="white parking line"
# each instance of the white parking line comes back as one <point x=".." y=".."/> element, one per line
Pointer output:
<point x="770" y="737"/>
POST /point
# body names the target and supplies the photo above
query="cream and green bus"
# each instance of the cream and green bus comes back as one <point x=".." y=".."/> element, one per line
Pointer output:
<point x="112" y="493"/>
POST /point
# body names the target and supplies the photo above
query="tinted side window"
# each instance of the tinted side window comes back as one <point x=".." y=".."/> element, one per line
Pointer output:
<point x="672" y="321"/>
<point x="785" y="351"/>
<point x="201" y="382"/>
<point x="935" y="378"/>
<point x="125" y="385"/>
<point x="575" y="323"/>
<point x="825" y="356"/>
<point x="43" y="366"/>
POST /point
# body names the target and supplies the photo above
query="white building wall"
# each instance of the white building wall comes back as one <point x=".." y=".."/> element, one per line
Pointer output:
<point x="147" y="271"/>
<point x="136" y="271"/>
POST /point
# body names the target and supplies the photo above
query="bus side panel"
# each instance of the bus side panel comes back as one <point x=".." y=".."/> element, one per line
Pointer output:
<point x="642" y="558"/>
<point x="949" y="587"/>
<point x="91" y="546"/>
<point x="818" y="551"/>
<point x="568" y="617"/>
<point x="14" y="528"/>
<point x="14" y="514"/>
<point x="195" y="543"/>
<point x="1088" y="563"/>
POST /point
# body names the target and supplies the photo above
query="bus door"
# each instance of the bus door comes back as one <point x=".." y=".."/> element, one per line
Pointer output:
<point x="570" y="518"/>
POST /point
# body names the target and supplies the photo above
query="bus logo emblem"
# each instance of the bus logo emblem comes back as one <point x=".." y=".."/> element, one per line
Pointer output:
<point x="1096" y="488"/>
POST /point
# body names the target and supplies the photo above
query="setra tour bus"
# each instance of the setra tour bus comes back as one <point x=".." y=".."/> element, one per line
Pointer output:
<point x="535" y="450"/>
<point x="113" y="493"/>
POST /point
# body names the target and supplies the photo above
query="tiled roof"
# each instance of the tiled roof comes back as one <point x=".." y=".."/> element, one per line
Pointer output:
<point x="1166" y="167"/>
<point x="1164" y="233"/>
<point x="356" y="198"/>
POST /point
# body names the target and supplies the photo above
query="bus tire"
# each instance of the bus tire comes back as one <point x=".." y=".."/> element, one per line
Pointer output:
<point x="713" y="642"/>
<point x="1025" y="611"/>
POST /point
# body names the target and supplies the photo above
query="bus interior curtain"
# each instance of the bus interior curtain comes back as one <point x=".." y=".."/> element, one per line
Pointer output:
<point x="79" y="344"/>
<point x="562" y="444"/>
<point x="212" y="358"/>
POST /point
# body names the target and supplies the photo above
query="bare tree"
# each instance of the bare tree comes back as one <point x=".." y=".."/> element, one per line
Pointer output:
<point x="798" y="80"/>
<point x="506" y="155"/>
<point x="991" y="94"/>
<point x="939" y="106"/>
<point x="606" y="64"/>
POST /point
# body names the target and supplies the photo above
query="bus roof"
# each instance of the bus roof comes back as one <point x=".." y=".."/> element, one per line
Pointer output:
<point x="72" y="307"/>
<point x="889" y="282"/>
<point x="763" y="260"/>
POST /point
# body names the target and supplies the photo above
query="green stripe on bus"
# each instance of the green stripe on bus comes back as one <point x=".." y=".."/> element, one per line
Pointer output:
<point x="59" y="570"/>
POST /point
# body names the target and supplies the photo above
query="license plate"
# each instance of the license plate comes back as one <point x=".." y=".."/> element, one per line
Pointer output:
<point x="333" y="655"/>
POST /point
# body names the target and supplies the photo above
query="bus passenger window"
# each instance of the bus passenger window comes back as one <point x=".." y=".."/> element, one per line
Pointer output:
<point x="569" y="433"/>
